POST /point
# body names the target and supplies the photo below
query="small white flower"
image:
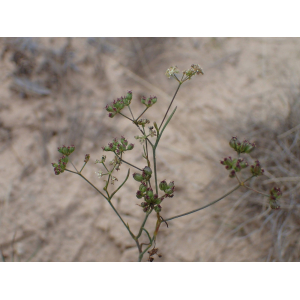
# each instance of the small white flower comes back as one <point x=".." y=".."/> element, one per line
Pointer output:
<point x="99" y="174"/>
<point x="171" y="71"/>
<point x="140" y="138"/>
<point x="113" y="179"/>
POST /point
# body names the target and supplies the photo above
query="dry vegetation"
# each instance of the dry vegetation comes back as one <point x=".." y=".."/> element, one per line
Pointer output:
<point x="53" y="92"/>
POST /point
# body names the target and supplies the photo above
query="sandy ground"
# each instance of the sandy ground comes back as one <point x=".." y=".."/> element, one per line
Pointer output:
<point x="44" y="217"/>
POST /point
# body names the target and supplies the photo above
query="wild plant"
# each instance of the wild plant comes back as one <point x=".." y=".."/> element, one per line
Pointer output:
<point x="152" y="192"/>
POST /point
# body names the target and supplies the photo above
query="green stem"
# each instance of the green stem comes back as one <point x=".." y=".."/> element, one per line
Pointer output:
<point x="128" y="162"/>
<point x="82" y="167"/>
<point x="138" y="245"/>
<point x="92" y="185"/>
<point x="121" y="184"/>
<point x="170" y="104"/>
<point x="73" y="165"/>
<point x="125" y="116"/>
<point x="141" y="114"/>
<point x="105" y="167"/>
<point x="249" y="188"/>
<point x="143" y="224"/>
<point x="148" y="235"/>
<point x="127" y="227"/>
<point x="155" y="172"/>
<point x="131" y="112"/>
<point x="71" y="171"/>
<point x="195" y="210"/>
<point x="160" y="135"/>
<point x="142" y="254"/>
<point x="143" y="134"/>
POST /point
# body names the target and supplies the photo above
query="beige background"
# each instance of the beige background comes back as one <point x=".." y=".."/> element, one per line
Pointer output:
<point x="54" y="90"/>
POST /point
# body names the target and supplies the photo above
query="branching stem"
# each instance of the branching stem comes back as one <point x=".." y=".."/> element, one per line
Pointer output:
<point x="205" y="206"/>
<point x="180" y="83"/>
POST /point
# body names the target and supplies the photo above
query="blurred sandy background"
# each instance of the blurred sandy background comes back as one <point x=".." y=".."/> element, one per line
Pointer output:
<point x="54" y="90"/>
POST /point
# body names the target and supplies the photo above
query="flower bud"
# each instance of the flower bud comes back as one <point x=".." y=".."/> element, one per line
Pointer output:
<point x="232" y="143"/>
<point x="256" y="169"/>
<point x="150" y="192"/>
<point x="147" y="171"/>
<point x="139" y="194"/>
<point x="144" y="204"/>
<point x="273" y="204"/>
<point x="275" y="194"/>
<point x="249" y="148"/>
<point x="152" y="100"/>
<point x="163" y="185"/>
<point x="143" y="187"/>
<point x="71" y="149"/>
<point x="138" y="177"/>
<point x="169" y="191"/>
<point x="143" y="122"/>
<point x="86" y="158"/>
<point x="147" y="199"/>
<point x="130" y="147"/>
<point x="109" y="108"/>
<point x="171" y="184"/>
<point x="124" y="141"/>
<point x="128" y="97"/>
<point x="157" y="208"/>
<point x="243" y="164"/>
<point x="232" y="174"/>
<point x="157" y="201"/>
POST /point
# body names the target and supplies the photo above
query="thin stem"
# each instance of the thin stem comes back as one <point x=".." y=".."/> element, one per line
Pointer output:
<point x="256" y="191"/>
<point x="138" y="245"/>
<point x="128" y="163"/>
<point x="142" y="254"/>
<point x="83" y="167"/>
<point x="155" y="146"/>
<point x="160" y="135"/>
<point x="141" y="113"/>
<point x="125" y="116"/>
<point x="155" y="172"/>
<point x="105" y="167"/>
<point x="121" y="184"/>
<point x="195" y="210"/>
<point x="144" y="135"/>
<point x="237" y="178"/>
<point x="127" y="227"/>
<point x="147" y="234"/>
<point x="109" y="201"/>
<point x="176" y="78"/>
<point x="70" y="171"/>
<point x="143" y="224"/>
<point x="131" y="112"/>
<point x="170" y="105"/>
<point x="146" y="152"/>
<point x="73" y="166"/>
<point x="92" y="185"/>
